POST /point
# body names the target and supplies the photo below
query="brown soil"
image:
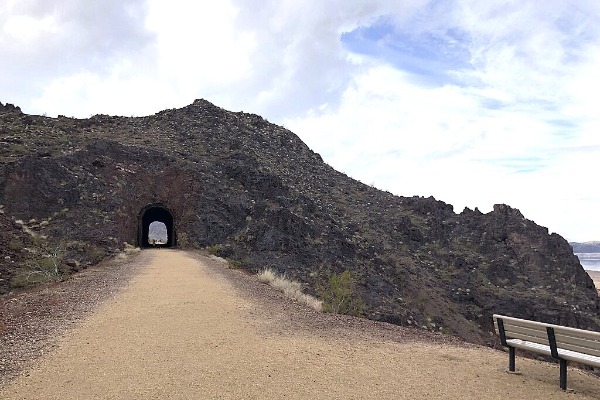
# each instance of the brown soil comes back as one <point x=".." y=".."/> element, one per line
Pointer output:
<point x="186" y="327"/>
<point x="595" y="275"/>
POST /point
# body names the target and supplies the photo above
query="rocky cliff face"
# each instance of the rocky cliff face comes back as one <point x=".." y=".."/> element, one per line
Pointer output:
<point x="82" y="187"/>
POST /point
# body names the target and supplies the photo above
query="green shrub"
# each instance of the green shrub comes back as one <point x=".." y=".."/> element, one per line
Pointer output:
<point x="15" y="245"/>
<point x="338" y="295"/>
<point x="19" y="280"/>
<point x="215" y="250"/>
<point x="237" y="264"/>
<point x="183" y="240"/>
<point x="447" y="331"/>
<point x="44" y="268"/>
<point x="95" y="254"/>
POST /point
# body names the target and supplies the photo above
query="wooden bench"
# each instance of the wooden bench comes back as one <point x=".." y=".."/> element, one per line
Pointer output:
<point x="559" y="342"/>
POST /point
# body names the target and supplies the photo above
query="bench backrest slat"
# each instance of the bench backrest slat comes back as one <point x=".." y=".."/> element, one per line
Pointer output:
<point x="566" y="331"/>
<point x="578" y="340"/>
<point x="534" y="339"/>
<point x="538" y="333"/>
<point x="580" y="345"/>
<point x="518" y="332"/>
<point x="521" y="322"/>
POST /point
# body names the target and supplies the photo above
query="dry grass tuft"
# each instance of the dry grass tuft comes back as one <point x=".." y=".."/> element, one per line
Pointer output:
<point x="133" y="250"/>
<point x="129" y="250"/>
<point x="267" y="275"/>
<point x="290" y="288"/>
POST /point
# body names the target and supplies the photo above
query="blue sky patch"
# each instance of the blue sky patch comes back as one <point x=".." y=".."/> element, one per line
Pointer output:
<point x="520" y="165"/>
<point x="433" y="57"/>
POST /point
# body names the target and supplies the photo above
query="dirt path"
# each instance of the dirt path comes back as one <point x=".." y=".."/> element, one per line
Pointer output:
<point x="182" y="329"/>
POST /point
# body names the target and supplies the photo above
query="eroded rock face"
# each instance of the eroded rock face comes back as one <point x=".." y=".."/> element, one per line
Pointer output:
<point x="255" y="189"/>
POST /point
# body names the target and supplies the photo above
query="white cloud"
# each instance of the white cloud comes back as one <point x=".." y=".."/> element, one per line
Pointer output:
<point x="447" y="142"/>
<point x="195" y="52"/>
<point x="121" y="93"/>
<point x="514" y="122"/>
<point x="24" y="30"/>
<point x="49" y="41"/>
<point x="197" y="43"/>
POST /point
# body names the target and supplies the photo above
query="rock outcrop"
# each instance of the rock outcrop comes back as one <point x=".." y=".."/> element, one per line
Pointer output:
<point x="255" y="191"/>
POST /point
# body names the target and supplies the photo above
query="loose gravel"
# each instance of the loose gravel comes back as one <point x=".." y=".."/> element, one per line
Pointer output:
<point x="32" y="321"/>
<point x="180" y="325"/>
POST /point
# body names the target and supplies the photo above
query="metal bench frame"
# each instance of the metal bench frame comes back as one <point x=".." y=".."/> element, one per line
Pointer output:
<point x="559" y="342"/>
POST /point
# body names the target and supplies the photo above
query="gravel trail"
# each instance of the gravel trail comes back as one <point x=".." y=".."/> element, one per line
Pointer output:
<point x="186" y="327"/>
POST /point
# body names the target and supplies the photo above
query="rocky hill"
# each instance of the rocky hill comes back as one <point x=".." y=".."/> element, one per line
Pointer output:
<point x="72" y="191"/>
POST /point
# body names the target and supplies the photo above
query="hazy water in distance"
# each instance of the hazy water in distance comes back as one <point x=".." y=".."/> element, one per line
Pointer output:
<point x="589" y="261"/>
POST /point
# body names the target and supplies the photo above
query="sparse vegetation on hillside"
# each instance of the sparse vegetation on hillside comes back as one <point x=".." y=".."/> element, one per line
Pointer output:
<point x="215" y="250"/>
<point x="128" y="251"/>
<point x="237" y="264"/>
<point x="339" y="296"/>
<point x="291" y="288"/>
<point x="44" y="265"/>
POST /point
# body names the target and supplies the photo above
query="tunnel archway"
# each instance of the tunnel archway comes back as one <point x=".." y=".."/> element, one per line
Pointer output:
<point x="156" y="213"/>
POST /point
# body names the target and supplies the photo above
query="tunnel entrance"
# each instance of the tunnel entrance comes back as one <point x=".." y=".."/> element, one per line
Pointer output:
<point x="158" y="216"/>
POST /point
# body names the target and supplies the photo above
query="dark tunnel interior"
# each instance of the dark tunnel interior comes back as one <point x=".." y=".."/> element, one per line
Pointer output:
<point x="160" y="214"/>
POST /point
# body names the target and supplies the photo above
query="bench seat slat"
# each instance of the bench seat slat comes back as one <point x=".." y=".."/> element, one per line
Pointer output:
<point x="565" y="354"/>
<point x="525" y="345"/>
<point x="579" y="357"/>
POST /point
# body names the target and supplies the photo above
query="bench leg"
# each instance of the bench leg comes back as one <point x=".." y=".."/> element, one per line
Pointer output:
<point x="511" y="359"/>
<point x="563" y="374"/>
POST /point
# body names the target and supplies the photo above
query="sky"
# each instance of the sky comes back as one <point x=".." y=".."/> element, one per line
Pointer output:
<point x="472" y="102"/>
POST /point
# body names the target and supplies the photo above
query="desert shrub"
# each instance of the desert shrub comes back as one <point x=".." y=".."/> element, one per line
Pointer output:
<point x="44" y="266"/>
<point x="237" y="264"/>
<point x="447" y="331"/>
<point x="215" y="250"/>
<point x="19" y="280"/>
<point x="290" y="288"/>
<point x="95" y="254"/>
<point x="183" y="240"/>
<point x="15" y="245"/>
<point x="130" y="249"/>
<point x="338" y="295"/>
<point x="26" y="277"/>
<point x="267" y="275"/>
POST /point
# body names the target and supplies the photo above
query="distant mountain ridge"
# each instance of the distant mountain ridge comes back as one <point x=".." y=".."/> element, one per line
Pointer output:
<point x="586" y="247"/>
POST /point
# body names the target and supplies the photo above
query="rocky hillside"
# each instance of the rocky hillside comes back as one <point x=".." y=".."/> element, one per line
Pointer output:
<point x="74" y="190"/>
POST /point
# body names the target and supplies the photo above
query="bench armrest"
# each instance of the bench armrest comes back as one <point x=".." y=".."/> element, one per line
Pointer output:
<point x="552" y="342"/>
<point x="502" y="332"/>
